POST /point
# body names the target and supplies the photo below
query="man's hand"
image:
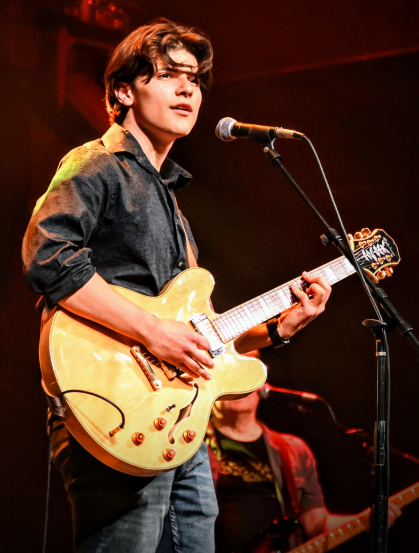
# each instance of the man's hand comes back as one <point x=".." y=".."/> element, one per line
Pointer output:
<point x="308" y="308"/>
<point x="393" y="513"/>
<point x="176" y="343"/>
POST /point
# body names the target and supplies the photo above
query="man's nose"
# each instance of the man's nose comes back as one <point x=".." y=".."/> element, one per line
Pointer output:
<point x="185" y="86"/>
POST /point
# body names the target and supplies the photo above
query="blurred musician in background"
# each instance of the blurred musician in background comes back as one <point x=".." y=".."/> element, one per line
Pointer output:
<point x="266" y="483"/>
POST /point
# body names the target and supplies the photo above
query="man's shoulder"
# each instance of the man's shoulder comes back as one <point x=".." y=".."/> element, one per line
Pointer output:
<point x="295" y="444"/>
<point x="93" y="150"/>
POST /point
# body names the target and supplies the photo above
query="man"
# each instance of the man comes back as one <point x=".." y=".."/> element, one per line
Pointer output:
<point x="110" y="217"/>
<point x="256" y="471"/>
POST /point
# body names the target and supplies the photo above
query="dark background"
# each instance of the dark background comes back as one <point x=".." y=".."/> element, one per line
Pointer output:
<point x="344" y="73"/>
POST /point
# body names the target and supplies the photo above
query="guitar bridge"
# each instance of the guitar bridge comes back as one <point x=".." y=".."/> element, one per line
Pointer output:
<point x="203" y="326"/>
<point x="146" y="367"/>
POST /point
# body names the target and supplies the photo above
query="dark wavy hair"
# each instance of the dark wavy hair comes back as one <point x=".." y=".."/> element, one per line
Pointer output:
<point x="139" y="52"/>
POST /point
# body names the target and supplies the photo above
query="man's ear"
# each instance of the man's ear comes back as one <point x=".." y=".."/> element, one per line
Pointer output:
<point x="124" y="93"/>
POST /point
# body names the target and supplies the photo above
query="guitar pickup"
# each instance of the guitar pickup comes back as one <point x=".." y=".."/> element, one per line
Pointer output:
<point x="203" y="326"/>
<point x="146" y="367"/>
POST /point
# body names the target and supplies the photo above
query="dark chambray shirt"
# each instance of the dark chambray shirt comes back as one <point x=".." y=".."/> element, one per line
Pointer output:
<point x="107" y="210"/>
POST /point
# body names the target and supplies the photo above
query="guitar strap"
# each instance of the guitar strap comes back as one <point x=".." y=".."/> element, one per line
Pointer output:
<point x="189" y="251"/>
<point x="288" y="474"/>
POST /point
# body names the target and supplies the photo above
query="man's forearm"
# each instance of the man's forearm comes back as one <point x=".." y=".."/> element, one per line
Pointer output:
<point x="99" y="302"/>
<point x="255" y="338"/>
<point x="172" y="341"/>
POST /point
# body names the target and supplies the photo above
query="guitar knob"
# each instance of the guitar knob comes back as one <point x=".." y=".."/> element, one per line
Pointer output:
<point x="365" y="231"/>
<point x="160" y="423"/>
<point x="388" y="257"/>
<point x="189" y="436"/>
<point x="169" y="454"/>
<point x="389" y="271"/>
<point x="138" y="438"/>
<point x="358" y="236"/>
<point x="381" y="274"/>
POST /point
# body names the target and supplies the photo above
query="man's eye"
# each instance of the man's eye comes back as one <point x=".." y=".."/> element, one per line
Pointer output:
<point x="195" y="80"/>
<point x="165" y="75"/>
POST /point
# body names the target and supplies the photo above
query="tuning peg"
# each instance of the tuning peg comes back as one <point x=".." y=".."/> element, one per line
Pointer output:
<point x="374" y="265"/>
<point x="375" y="279"/>
<point x="381" y="274"/>
<point x="381" y="260"/>
<point x="363" y="244"/>
<point x="358" y="236"/>
<point x="389" y="271"/>
<point x="365" y="232"/>
<point x="388" y="257"/>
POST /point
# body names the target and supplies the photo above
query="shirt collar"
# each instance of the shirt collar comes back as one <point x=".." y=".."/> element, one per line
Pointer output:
<point x="118" y="140"/>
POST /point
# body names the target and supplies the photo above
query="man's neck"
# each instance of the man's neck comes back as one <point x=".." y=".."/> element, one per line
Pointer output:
<point x="243" y="427"/>
<point x="156" y="150"/>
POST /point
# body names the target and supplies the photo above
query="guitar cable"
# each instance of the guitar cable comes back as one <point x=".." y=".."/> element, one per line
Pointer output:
<point x="58" y="411"/>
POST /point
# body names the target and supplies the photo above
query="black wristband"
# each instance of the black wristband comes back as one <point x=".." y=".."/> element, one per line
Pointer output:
<point x="277" y="340"/>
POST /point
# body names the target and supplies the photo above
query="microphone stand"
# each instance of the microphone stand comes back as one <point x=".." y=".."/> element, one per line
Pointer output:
<point x="390" y="318"/>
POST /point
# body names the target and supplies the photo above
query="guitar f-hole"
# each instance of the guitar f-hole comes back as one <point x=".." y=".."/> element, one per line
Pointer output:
<point x="184" y="413"/>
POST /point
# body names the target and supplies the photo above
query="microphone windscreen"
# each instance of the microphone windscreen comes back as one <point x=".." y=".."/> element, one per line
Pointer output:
<point x="223" y="129"/>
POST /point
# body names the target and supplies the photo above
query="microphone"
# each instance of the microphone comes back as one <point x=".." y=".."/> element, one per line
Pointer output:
<point x="266" y="389"/>
<point x="229" y="129"/>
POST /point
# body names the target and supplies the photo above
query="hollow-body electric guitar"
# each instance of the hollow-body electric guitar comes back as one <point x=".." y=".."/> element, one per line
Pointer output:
<point x="103" y="376"/>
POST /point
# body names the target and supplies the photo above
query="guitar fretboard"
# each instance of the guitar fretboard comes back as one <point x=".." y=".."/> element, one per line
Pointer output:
<point x="329" y="540"/>
<point x="234" y="322"/>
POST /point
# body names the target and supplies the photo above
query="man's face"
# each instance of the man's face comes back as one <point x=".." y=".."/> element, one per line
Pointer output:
<point x="248" y="404"/>
<point x="167" y="107"/>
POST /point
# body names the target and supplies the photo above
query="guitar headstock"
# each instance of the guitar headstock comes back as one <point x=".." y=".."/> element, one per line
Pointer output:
<point x="376" y="252"/>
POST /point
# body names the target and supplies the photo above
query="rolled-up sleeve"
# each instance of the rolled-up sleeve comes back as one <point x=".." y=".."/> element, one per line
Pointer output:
<point x="55" y="249"/>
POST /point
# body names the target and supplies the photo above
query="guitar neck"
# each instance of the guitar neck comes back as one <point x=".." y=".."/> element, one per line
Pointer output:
<point x="234" y="322"/>
<point x="328" y="540"/>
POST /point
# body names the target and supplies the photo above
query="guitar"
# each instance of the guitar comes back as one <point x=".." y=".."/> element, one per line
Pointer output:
<point x="165" y="412"/>
<point x="360" y="523"/>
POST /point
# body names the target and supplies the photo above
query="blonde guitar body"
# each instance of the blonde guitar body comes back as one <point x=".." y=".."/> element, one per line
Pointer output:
<point x="78" y="354"/>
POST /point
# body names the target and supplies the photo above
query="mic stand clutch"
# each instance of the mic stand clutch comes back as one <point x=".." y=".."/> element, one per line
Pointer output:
<point x="393" y="319"/>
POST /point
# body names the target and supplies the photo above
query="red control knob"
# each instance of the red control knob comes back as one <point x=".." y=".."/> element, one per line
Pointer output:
<point x="160" y="423"/>
<point x="169" y="454"/>
<point x="138" y="438"/>
<point x="189" y="436"/>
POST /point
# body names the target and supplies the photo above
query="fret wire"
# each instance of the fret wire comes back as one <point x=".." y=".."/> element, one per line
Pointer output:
<point x="249" y="314"/>
<point x="266" y="298"/>
<point x="233" y="324"/>
<point x="266" y="308"/>
<point x="257" y="309"/>
<point x="277" y="301"/>
<point x="245" y="317"/>
<point x="223" y="328"/>
<point x="232" y="330"/>
<point x="238" y="321"/>
<point x="237" y="311"/>
<point x="231" y="321"/>
<point x="253" y="311"/>
<point x="260" y="311"/>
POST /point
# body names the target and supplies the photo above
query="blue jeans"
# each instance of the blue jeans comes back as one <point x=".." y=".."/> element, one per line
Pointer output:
<point x="114" y="512"/>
